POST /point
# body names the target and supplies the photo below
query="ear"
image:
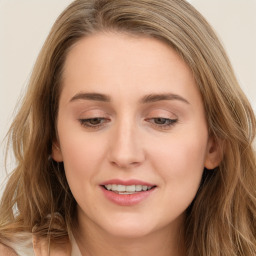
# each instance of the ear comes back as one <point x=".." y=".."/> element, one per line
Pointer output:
<point x="214" y="153"/>
<point x="56" y="152"/>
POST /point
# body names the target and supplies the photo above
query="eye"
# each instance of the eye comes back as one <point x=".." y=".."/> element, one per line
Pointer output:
<point x="161" y="122"/>
<point x="95" y="122"/>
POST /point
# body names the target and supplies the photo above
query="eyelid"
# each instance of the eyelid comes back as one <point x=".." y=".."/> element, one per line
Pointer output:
<point x="161" y="119"/>
<point x="97" y="112"/>
<point x="161" y="112"/>
<point x="85" y="122"/>
<point x="167" y="124"/>
<point x="94" y="118"/>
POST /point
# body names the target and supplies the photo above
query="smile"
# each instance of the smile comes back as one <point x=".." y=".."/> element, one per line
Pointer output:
<point x="131" y="189"/>
<point x="127" y="192"/>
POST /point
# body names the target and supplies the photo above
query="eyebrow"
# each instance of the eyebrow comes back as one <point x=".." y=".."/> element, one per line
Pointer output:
<point x="160" y="97"/>
<point x="150" y="98"/>
<point x="91" y="96"/>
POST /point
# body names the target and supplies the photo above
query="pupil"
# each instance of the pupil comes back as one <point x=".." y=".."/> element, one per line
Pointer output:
<point x="160" y="120"/>
<point x="95" y="121"/>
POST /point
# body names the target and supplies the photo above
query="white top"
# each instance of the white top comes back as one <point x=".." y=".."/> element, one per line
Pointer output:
<point x="26" y="247"/>
<point x="75" y="250"/>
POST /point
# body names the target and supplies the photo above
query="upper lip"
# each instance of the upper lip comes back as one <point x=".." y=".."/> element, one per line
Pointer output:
<point x="127" y="182"/>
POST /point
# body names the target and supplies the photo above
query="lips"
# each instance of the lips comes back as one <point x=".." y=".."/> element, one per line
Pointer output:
<point x="128" y="182"/>
<point x="127" y="193"/>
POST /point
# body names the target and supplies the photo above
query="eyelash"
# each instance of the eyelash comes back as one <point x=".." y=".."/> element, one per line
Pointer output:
<point x="158" y="122"/>
<point x="87" y="122"/>
<point x="163" y="123"/>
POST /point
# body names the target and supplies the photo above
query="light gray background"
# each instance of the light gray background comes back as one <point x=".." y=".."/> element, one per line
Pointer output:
<point x="24" y="25"/>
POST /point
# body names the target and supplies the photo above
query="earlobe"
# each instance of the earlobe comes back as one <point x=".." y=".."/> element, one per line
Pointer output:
<point x="214" y="153"/>
<point x="56" y="153"/>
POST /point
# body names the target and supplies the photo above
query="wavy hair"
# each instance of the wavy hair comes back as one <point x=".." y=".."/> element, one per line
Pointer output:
<point x="221" y="220"/>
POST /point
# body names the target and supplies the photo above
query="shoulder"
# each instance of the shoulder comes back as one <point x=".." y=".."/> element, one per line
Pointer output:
<point x="7" y="251"/>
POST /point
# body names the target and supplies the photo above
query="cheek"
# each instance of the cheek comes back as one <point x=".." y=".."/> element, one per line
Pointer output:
<point x="180" y="160"/>
<point x="180" y="163"/>
<point x="82" y="154"/>
<point x="82" y="161"/>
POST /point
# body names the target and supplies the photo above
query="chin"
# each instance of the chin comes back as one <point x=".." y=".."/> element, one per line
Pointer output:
<point x="129" y="233"/>
<point x="130" y="227"/>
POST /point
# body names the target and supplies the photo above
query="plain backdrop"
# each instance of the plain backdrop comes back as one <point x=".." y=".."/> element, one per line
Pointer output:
<point x="24" y="25"/>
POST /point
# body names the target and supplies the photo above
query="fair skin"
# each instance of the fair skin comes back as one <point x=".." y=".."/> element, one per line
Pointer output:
<point x="130" y="110"/>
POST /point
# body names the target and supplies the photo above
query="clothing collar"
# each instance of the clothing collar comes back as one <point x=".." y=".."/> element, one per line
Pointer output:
<point x="41" y="248"/>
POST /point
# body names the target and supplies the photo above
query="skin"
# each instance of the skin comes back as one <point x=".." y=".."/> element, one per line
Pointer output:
<point x="131" y="142"/>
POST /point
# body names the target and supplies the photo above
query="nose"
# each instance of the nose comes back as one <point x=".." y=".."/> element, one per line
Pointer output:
<point x="126" y="149"/>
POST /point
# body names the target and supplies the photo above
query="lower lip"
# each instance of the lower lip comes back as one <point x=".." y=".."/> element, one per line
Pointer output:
<point x="127" y="199"/>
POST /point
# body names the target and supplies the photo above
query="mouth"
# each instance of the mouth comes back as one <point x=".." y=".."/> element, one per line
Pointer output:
<point x="127" y="190"/>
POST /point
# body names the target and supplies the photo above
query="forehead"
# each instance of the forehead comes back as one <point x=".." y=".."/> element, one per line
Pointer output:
<point x="116" y="64"/>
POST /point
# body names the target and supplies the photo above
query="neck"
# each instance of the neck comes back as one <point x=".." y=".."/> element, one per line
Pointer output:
<point x="168" y="241"/>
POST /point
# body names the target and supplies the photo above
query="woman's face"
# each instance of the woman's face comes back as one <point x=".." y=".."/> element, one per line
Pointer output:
<point x="132" y="134"/>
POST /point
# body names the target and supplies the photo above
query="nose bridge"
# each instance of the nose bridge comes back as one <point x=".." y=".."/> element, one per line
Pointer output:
<point x="125" y="148"/>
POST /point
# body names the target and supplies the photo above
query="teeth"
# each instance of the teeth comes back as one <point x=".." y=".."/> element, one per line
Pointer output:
<point x="138" y="187"/>
<point x="131" y="188"/>
<point x="122" y="189"/>
<point x="108" y="187"/>
<point x="144" y="188"/>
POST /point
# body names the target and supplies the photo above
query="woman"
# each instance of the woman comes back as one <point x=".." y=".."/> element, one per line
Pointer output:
<point x="134" y="138"/>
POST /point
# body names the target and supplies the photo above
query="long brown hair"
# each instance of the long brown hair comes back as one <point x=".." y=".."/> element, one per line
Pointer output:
<point x="221" y="220"/>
